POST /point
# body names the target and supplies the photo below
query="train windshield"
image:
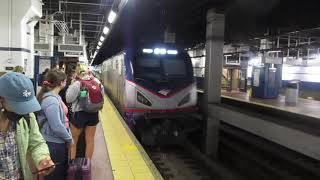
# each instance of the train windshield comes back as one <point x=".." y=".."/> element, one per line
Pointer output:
<point x="161" y="68"/>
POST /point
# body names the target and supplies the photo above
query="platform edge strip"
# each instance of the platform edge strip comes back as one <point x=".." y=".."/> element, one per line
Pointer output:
<point x="156" y="174"/>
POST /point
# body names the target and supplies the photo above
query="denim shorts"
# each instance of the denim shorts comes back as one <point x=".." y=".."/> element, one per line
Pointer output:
<point x="83" y="119"/>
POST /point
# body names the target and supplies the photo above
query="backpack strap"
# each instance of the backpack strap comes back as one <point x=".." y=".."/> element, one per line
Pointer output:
<point x="45" y="119"/>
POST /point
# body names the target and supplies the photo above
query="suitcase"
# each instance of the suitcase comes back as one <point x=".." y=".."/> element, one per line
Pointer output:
<point x="79" y="169"/>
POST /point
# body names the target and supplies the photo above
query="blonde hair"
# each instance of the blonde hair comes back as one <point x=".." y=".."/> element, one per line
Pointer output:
<point x="18" y="69"/>
<point x="82" y="70"/>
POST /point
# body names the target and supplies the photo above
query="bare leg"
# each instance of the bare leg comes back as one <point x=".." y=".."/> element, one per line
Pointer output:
<point x="90" y="132"/>
<point x="75" y="135"/>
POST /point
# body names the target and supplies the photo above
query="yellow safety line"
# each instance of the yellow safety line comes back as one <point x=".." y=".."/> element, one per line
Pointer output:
<point x="128" y="158"/>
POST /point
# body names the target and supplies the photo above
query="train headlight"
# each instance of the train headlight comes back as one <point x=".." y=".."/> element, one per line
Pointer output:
<point x="185" y="100"/>
<point x="142" y="99"/>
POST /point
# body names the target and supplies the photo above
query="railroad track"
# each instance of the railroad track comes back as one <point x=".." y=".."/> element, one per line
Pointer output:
<point x="256" y="158"/>
<point x="174" y="163"/>
<point x="184" y="161"/>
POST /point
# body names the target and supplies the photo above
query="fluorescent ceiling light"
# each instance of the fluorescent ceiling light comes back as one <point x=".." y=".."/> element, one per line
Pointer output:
<point x="112" y="16"/>
<point x="98" y="47"/>
<point x="106" y="30"/>
<point x="174" y="52"/>
<point x="274" y="51"/>
<point x="149" y="51"/>
<point x="156" y="51"/>
<point x="102" y="38"/>
<point x="99" y="43"/>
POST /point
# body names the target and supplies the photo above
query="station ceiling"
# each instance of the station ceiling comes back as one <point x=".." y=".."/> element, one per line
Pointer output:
<point x="94" y="15"/>
<point x="145" y="21"/>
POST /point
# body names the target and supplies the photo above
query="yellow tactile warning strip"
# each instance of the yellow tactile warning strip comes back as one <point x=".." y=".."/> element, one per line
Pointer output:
<point x="128" y="159"/>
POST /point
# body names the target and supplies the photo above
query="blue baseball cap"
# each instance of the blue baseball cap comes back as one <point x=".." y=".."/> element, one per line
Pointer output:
<point x="17" y="90"/>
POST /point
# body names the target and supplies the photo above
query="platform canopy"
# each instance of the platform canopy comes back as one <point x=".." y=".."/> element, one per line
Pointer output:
<point x="145" y="21"/>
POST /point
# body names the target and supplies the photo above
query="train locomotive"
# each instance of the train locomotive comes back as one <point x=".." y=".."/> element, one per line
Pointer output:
<point x="152" y="88"/>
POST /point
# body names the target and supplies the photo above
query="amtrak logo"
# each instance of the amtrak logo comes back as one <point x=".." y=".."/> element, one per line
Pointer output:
<point x="164" y="92"/>
<point x="26" y="93"/>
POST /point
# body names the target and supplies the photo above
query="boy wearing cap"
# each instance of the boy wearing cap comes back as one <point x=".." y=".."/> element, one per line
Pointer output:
<point x="19" y="132"/>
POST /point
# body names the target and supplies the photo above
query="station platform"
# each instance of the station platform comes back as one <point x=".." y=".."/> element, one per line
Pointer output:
<point x="291" y="127"/>
<point x="118" y="155"/>
<point x="304" y="107"/>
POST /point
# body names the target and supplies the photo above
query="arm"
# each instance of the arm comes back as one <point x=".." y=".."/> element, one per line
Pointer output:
<point x="102" y="89"/>
<point x="73" y="92"/>
<point x="101" y="85"/>
<point x="55" y="122"/>
<point x="37" y="146"/>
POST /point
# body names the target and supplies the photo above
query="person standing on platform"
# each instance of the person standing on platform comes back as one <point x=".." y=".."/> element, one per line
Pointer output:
<point x="18" y="69"/>
<point x="53" y="122"/>
<point x="82" y="120"/>
<point x="70" y="78"/>
<point x="19" y="132"/>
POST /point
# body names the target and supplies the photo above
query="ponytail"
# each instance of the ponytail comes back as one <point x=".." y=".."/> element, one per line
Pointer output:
<point x="54" y="78"/>
<point x="44" y="89"/>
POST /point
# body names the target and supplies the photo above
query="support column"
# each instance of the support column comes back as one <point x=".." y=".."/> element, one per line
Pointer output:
<point x="213" y="75"/>
<point x="16" y="33"/>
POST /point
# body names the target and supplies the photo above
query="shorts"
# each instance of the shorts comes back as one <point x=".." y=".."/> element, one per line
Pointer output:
<point x="82" y="119"/>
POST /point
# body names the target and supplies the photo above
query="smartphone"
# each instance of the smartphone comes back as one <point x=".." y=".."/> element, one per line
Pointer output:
<point x="44" y="169"/>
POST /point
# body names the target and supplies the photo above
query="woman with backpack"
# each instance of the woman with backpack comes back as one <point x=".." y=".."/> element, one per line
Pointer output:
<point x="53" y="122"/>
<point x="84" y="87"/>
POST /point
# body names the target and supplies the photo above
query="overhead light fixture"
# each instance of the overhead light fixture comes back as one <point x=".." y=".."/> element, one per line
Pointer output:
<point x="106" y="30"/>
<point x="98" y="47"/>
<point x="99" y="43"/>
<point x="112" y="16"/>
<point x="148" y="51"/>
<point x="102" y="38"/>
<point x="274" y="51"/>
<point x="173" y="52"/>
<point x="160" y="51"/>
<point x="94" y="55"/>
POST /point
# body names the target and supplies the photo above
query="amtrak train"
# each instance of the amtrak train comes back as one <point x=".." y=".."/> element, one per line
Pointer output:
<point x="150" y="86"/>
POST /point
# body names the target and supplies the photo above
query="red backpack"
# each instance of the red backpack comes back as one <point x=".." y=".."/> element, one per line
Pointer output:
<point x="91" y="96"/>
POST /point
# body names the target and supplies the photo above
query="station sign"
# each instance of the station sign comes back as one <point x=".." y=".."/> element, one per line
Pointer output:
<point x="42" y="47"/>
<point x="73" y="54"/>
<point x="233" y="62"/>
<point x="9" y="68"/>
<point x="70" y="48"/>
<point x="273" y="60"/>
